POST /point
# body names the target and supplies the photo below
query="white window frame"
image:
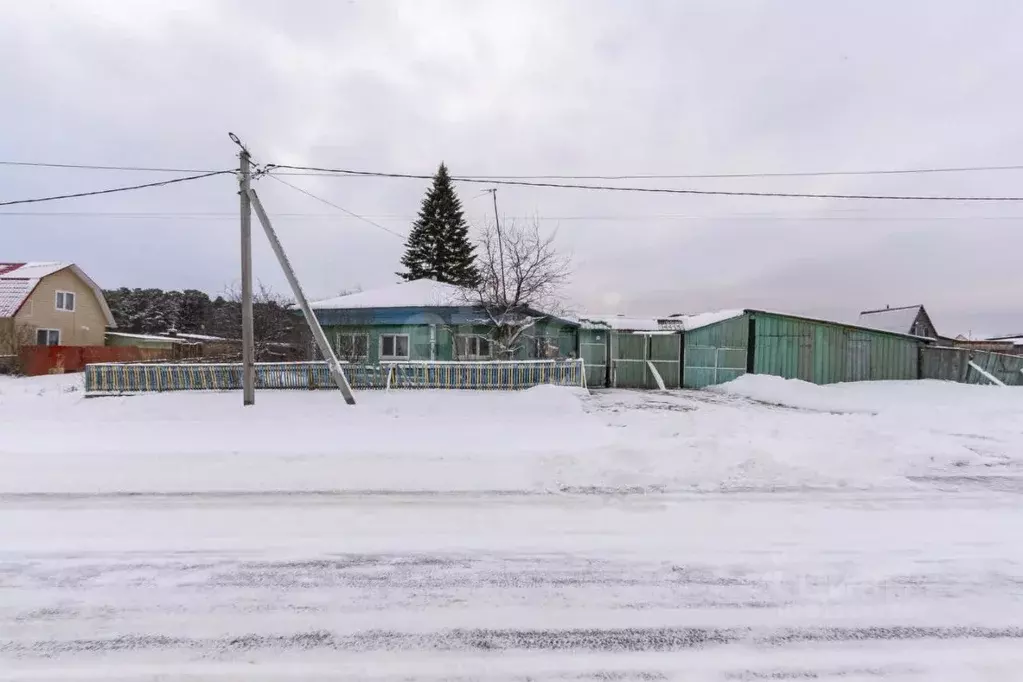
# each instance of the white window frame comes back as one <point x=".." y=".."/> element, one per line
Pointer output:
<point x="477" y="338"/>
<point x="47" y="330"/>
<point x="408" y="347"/>
<point x="337" y="343"/>
<point x="56" y="301"/>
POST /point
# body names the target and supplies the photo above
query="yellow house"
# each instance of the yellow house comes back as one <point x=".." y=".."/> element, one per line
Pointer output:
<point x="50" y="304"/>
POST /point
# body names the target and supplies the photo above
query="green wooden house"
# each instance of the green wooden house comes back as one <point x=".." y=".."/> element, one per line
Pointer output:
<point x="428" y="320"/>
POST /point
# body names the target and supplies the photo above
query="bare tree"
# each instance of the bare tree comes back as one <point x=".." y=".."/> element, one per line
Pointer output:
<point x="278" y="332"/>
<point x="12" y="337"/>
<point x="521" y="276"/>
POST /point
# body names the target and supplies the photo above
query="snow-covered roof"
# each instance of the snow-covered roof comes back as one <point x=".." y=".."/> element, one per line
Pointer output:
<point x="19" y="280"/>
<point x="146" y="337"/>
<point x="898" y="320"/>
<point x="198" y="337"/>
<point x="13" y="293"/>
<point x="419" y="293"/>
<point x="657" y="324"/>
<point x="1014" y="340"/>
<point x="619" y="322"/>
<point x="691" y="322"/>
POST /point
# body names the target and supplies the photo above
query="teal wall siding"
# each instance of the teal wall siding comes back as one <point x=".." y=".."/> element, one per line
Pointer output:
<point x="826" y="353"/>
<point x="716" y="353"/>
<point x="419" y="338"/>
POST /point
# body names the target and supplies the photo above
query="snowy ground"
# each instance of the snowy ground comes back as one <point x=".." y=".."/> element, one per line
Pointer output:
<point x="764" y="530"/>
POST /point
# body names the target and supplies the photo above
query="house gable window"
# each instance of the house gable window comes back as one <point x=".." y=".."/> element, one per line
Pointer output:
<point x="352" y="346"/>
<point x="65" y="301"/>
<point x="47" y="337"/>
<point x="472" y="347"/>
<point x="394" y="346"/>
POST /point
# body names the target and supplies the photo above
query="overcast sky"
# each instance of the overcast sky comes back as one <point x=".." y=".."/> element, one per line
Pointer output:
<point x="584" y="87"/>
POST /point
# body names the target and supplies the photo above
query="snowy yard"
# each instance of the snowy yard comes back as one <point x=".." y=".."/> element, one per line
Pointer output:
<point x="763" y="530"/>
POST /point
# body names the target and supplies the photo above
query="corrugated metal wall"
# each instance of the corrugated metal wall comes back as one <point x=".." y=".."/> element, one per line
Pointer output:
<point x="825" y="353"/>
<point x="715" y="354"/>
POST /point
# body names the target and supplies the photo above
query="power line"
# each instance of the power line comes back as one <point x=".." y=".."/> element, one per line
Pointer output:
<point x="697" y="176"/>
<point x="634" y="176"/>
<point x="650" y="190"/>
<point x="754" y="217"/>
<point x="78" y="166"/>
<point x="115" y="189"/>
<point x="340" y="208"/>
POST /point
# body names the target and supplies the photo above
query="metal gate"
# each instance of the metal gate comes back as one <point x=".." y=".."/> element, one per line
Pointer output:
<point x="632" y="355"/>
<point x="594" y="355"/>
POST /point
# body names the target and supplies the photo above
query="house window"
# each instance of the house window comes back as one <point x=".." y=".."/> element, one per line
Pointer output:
<point x="65" y="301"/>
<point x="47" y="337"/>
<point x="473" y="347"/>
<point x="394" y="346"/>
<point x="352" y="346"/>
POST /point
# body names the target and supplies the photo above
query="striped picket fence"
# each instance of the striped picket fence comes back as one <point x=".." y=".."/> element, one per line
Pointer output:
<point x="122" y="378"/>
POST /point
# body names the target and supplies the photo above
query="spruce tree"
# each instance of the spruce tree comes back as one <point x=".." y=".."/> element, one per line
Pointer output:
<point x="438" y="246"/>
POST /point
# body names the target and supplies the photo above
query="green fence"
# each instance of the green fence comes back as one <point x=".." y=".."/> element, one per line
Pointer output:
<point x="118" y="379"/>
<point x="953" y="364"/>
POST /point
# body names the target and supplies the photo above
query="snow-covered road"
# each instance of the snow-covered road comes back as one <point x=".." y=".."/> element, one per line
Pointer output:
<point x="627" y="542"/>
<point x="703" y="586"/>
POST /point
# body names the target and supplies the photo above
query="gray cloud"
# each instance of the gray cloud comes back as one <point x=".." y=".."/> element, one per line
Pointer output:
<point x="561" y="86"/>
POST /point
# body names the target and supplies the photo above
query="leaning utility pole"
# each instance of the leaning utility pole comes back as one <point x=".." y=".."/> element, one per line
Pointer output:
<point x="333" y="366"/>
<point x="248" y="352"/>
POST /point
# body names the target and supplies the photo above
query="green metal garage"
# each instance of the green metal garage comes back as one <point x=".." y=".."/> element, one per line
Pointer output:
<point x="794" y="347"/>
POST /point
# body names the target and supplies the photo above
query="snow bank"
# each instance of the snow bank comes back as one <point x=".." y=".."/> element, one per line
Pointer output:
<point x="54" y="439"/>
<point x="925" y="396"/>
<point x="756" y="433"/>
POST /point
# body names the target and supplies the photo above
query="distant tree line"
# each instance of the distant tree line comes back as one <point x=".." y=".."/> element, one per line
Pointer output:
<point x="155" y="311"/>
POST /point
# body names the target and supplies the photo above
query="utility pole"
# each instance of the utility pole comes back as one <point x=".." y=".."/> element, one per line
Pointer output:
<point x="500" y="245"/>
<point x="248" y="352"/>
<point x="333" y="366"/>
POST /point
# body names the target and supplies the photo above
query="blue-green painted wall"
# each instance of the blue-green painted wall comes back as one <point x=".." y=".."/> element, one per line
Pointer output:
<point x="560" y="335"/>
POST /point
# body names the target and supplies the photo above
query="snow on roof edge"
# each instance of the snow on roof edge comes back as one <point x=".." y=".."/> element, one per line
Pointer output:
<point x="419" y="293"/>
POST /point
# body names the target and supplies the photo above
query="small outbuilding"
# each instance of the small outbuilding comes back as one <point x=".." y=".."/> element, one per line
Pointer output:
<point x="795" y="347"/>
